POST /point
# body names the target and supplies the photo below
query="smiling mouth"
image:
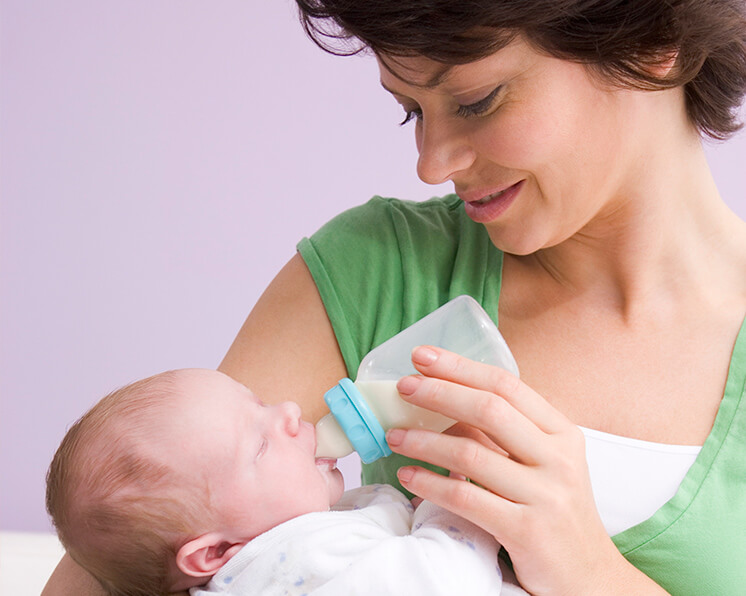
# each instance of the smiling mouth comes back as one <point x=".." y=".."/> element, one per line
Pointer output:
<point x="490" y="207"/>
<point x="486" y="199"/>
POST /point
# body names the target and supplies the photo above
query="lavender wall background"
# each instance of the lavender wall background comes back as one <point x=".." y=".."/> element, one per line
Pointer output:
<point x="159" y="162"/>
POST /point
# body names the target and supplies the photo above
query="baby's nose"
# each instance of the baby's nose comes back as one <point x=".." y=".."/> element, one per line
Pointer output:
<point x="291" y="417"/>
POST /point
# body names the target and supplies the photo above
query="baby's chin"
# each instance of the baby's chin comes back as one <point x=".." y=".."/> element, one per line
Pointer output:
<point x="333" y="477"/>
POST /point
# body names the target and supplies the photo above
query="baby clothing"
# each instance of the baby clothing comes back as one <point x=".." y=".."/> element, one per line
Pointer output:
<point x="372" y="543"/>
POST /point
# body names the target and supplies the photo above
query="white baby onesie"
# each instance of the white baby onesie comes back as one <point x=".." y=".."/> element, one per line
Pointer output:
<point x="373" y="542"/>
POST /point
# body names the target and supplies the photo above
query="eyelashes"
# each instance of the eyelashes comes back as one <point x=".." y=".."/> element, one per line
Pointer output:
<point x="411" y="114"/>
<point x="478" y="108"/>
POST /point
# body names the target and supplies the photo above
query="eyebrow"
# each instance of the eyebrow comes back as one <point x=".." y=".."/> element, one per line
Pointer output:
<point x="436" y="79"/>
<point x="431" y="84"/>
<point x="389" y="89"/>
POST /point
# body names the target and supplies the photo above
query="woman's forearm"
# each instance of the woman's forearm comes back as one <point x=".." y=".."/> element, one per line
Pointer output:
<point x="623" y="580"/>
<point x="70" y="579"/>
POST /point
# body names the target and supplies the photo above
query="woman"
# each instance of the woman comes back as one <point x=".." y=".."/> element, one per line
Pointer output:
<point x="587" y="223"/>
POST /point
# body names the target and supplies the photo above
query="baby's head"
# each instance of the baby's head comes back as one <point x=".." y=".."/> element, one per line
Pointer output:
<point x="163" y="481"/>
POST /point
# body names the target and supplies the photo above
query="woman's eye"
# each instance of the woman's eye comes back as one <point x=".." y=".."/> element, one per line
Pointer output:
<point x="410" y="115"/>
<point x="480" y="107"/>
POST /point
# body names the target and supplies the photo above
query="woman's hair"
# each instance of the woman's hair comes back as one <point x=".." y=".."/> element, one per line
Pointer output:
<point x="118" y="514"/>
<point x="623" y="39"/>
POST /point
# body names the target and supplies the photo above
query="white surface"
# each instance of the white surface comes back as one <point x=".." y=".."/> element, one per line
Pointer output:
<point x="27" y="559"/>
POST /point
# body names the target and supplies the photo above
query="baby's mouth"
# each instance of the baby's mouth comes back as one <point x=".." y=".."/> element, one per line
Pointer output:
<point x="326" y="464"/>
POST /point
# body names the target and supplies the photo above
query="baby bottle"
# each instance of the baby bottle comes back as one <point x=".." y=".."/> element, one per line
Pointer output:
<point x="362" y="412"/>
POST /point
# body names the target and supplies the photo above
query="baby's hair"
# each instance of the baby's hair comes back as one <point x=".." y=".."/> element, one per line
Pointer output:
<point x="119" y="514"/>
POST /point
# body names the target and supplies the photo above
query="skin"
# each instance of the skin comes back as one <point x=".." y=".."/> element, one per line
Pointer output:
<point x="270" y="475"/>
<point x="624" y="287"/>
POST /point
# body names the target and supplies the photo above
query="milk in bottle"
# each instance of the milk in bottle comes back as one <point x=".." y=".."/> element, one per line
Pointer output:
<point x="362" y="412"/>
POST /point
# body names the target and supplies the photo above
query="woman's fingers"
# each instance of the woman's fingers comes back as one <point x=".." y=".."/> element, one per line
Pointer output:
<point x="531" y="488"/>
<point x="467" y="431"/>
<point x="442" y="364"/>
<point x="492" y="512"/>
<point x="467" y="458"/>
<point x="501" y="422"/>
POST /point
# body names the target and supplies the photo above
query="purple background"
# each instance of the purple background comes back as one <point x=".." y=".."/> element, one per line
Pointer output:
<point x="159" y="162"/>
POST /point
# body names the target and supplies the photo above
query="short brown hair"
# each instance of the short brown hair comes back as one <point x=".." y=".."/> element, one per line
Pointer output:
<point x="620" y="38"/>
<point x="120" y="516"/>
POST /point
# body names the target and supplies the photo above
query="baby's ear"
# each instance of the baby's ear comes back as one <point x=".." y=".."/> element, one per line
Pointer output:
<point x="203" y="556"/>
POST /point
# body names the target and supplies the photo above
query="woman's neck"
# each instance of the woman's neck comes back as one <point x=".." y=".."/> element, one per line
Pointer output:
<point x="657" y="240"/>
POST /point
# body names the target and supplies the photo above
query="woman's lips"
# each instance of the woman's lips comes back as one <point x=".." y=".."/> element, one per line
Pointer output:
<point x="493" y="205"/>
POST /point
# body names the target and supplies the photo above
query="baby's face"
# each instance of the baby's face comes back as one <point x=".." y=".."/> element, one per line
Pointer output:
<point x="257" y="460"/>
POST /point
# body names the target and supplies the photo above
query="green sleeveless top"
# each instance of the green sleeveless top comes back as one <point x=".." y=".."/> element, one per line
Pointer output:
<point x="384" y="265"/>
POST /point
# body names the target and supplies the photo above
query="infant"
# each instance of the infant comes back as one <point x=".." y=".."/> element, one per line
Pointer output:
<point x="187" y="479"/>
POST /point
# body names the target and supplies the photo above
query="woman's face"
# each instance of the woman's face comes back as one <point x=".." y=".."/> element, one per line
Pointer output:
<point x="536" y="147"/>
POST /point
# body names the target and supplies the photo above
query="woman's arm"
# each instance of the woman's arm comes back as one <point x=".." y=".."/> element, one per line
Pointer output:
<point x="69" y="579"/>
<point x="286" y="350"/>
<point x="531" y="488"/>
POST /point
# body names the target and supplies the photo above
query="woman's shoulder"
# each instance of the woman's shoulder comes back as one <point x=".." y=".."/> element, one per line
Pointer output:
<point x="389" y="229"/>
<point x="445" y="203"/>
<point x="425" y="215"/>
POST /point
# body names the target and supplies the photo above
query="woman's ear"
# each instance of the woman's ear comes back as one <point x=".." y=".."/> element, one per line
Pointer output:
<point x="665" y="66"/>
<point x="203" y="556"/>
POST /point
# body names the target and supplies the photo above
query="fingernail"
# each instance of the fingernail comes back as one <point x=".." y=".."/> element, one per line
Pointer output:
<point x="408" y="385"/>
<point x="405" y="474"/>
<point x="424" y="355"/>
<point x="395" y="436"/>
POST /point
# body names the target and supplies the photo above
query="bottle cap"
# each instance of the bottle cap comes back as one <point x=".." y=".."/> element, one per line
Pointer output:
<point x="358" y="422"/>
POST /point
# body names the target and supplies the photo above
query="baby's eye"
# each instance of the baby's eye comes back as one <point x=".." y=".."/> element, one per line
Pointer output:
<point x="480" y="107"/>
<point x="410" y="115"/>
<point x="262" y="448"/>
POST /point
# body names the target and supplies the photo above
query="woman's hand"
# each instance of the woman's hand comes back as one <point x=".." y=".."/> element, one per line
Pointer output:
<point x="530" y="484"/>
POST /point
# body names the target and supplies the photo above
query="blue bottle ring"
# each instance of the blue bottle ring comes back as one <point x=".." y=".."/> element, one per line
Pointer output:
<point x="357" y="420"/>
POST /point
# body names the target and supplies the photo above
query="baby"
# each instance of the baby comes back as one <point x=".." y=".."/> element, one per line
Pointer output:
<point x="186" y="478"/>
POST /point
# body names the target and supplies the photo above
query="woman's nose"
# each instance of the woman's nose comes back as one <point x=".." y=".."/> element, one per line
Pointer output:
<point x="290" y="417"/>
<point x="444" y="150"/>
